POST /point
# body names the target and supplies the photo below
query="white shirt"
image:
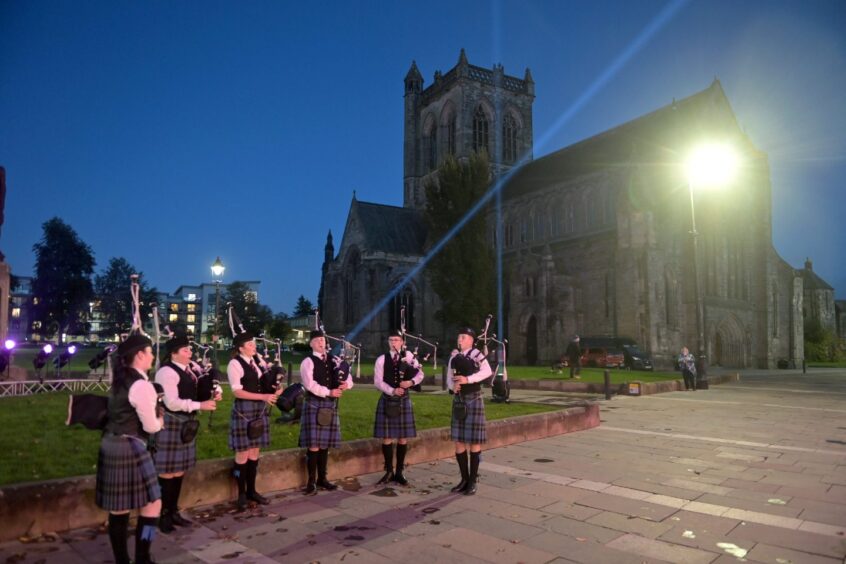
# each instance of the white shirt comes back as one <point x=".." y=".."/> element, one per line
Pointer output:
<point x="307" y="379"/>
<point x="379" y="373"/>
<point x="169" y="380"/>
<point x="484" y="368"/>
<point x="143" y="397"/>
<point x="234" y="371"/>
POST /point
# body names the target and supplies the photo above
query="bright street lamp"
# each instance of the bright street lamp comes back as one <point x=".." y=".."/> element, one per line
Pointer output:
<point x="217" y="273"/>
<point x="708" y="166"/>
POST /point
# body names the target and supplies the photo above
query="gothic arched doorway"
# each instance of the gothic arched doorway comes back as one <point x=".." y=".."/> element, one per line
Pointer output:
<point x="728" y="344"/>
<point x="532" y="341"/>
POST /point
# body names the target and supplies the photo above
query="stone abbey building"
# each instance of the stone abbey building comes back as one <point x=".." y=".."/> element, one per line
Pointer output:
<point x="595" y="236"/>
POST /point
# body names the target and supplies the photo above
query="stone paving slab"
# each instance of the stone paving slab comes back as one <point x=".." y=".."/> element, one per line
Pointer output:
<point x="672" y="478"/>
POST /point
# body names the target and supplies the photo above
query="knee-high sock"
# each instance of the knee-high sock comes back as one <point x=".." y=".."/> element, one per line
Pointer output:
<point x="118" y="528"/>
<point x="322" y="462"/>
<point x="401" y="450"/>
<point x="474" y="465"/>
<point x="240" y="474"/>
<point x="461" y="457"/>
<point x="145" y="532"/>
<point x="252" y="472"/>
<point x="388" y="453"/>
<point x="311" y="464"/>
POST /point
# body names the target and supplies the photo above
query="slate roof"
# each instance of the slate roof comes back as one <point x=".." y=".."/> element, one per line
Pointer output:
<point x="812" y="281"/>
<point x="657" y="135"/>
<point x="391" y="229"/>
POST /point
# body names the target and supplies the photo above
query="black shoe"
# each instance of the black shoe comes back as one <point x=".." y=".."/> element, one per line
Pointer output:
<point x="310" y="489"/>
<point x="242" y="502"/>
<point x="470" y="489"/>
<point x="325" y="484"/>
<point x="179" y="520"/>
<point x="459" y="487"/>
<point x="388" y="477"/>
<point x="258" y="498"/>
<point x="166" y="523"/>
<point x="400" y="479"/>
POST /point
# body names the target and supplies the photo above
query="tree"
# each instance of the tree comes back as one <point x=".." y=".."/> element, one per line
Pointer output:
<point x="463" y="272"/>
<point x="255" y="316"/>
<point x="61" y="287"/>
<point x="112" y="289"/>
<point x="303" y="307"/>
<point x="278" y="327"/>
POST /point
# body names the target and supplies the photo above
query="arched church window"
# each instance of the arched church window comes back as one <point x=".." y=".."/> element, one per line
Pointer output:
<point x="403" y="299"/>
<point x="509" y="139"/>
<point x="450" y="136"/>
<point x="480" y="131"/>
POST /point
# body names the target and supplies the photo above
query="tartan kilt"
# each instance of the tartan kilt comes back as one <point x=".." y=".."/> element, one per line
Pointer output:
<point x="172" y="455"/>
<point x="401" y="427"/>
<point x="472" y="429"/>
<point x="126" y="475"/>
<point x="238" y="439"/>
<point x="313" y="435"/>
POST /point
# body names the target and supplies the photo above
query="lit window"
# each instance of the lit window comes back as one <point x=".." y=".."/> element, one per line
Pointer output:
<point x="35" y="300"/>
<point x="192" y="307"/>
<point x="190" y="328"/>
<point x="16" y="312"/>
<point x="192" y="297"/>
<point x="173" y="317"/>
<point x="174" y="307"/>
<point x="191" y="318"/>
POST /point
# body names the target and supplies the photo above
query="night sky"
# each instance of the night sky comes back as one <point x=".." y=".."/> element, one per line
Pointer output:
<point x="170" y="133"/>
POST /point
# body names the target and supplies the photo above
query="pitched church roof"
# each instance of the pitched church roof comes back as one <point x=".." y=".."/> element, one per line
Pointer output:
<point x="656" y="136"/>
<point x="390" y="229"/>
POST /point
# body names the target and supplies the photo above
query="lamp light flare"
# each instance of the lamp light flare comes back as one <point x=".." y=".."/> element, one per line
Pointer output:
<point x="9" y="344"/>
<point x="72" y="349"/>
<point x="217" y="268"/>
<point x="47" y="349"/>
<point x="714" y="164"/>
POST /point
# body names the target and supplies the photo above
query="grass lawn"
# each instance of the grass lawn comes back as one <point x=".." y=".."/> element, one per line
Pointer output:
<point x="594" y="375"/>
<point x="838" y="364"/>
<point x="36" y="444"/>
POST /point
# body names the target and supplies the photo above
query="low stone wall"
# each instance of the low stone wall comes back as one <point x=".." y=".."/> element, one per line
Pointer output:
<point x="579" y="387"/>
<point x="32" y="509"/>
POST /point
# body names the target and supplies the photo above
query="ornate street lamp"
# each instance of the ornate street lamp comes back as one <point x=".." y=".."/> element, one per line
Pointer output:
<point x="217" y="275"/>
<point x="707" y="166"/>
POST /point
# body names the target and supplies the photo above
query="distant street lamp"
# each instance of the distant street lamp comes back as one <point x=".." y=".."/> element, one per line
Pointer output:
<point x="707" y="166"/>
<point x="217" y="273"/>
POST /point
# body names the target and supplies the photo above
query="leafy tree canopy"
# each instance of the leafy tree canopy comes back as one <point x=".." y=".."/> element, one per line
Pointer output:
<point x="61" y="287"/>
<point x="112" y="288"/>
<point x="463" y="272"/>
<point x="255" y="316"/>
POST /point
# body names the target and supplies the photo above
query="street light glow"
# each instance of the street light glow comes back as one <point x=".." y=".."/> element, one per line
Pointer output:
<point x="714" y="164"/>
<point x="217" y="268"/>
<point x="9" y="344"/>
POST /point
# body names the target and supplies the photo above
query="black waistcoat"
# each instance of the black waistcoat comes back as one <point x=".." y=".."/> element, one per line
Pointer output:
<point x="392" y="375"/>
<point x="323" y="372"/>
<point x="187" y="386"/>
<point x="250" y="379"/>
<point x="123" y="419"/>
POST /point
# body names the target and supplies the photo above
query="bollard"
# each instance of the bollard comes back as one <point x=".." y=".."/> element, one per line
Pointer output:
<point x="608" y="384"/>
<point x="443" y="379"/>
<point x="290" y="373"/>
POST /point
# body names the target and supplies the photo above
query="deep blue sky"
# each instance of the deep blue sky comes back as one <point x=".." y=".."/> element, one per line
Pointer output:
<point x="172" y="132"/>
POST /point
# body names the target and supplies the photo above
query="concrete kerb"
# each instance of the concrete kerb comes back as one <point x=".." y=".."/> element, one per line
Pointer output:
<point x="647" y="388"/>
<point x="32" y="509"/>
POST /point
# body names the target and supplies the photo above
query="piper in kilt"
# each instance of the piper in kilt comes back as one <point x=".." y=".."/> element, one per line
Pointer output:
<point x="244" y="371"/>
<point x="466" y="371"/>
<point x="126" y="475"/>
<point x="174" y="455"/>
<point x="394" y="374"/>
<point x="325" y="377"/>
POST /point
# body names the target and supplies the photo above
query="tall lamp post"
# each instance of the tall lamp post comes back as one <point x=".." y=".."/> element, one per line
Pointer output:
<point x="707" y="166"/>
<point x="217" y="273"/>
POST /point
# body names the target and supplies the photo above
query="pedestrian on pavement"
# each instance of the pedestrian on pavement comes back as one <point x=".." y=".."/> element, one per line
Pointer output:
<point x="574" y="357"/>
<point x="466" y="371"/>
<point x="687" y="363"/>
<point x="126" y="475"/>
<point x="394" y="374"/>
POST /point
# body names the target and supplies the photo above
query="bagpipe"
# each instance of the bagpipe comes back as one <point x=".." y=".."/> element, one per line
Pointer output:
<point x="409" y="364"/>
<point x="348" y="354"/>
<point x="500" y="388"/>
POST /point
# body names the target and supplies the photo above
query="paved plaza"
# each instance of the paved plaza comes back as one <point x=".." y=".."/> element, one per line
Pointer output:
<point x="750" y="471"/>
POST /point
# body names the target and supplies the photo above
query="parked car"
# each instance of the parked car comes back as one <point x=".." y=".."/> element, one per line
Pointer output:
<point x="602" y="357"/>
<point x="635" y="359"/>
